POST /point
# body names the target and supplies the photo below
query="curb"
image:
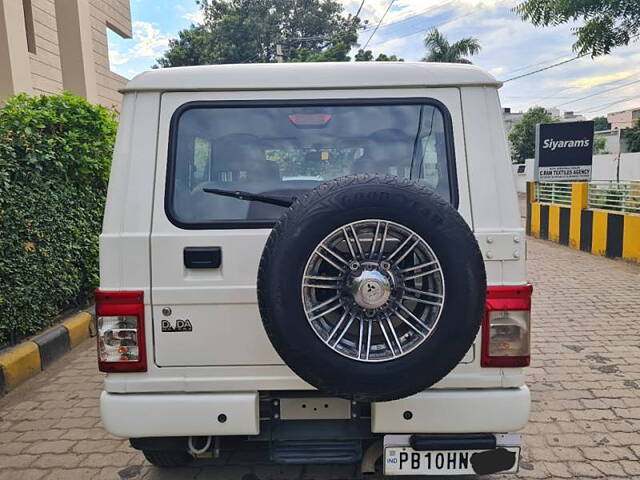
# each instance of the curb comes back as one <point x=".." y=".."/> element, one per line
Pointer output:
<point x="30" y="357"/>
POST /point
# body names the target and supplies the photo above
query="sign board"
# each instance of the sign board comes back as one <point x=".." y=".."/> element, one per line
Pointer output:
<point x="564" y="152"/>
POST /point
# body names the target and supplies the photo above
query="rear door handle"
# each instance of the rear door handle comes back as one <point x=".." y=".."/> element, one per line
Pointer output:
<point x="202" y="257"/>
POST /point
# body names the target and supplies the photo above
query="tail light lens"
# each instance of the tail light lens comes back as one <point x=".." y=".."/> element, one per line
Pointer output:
<point x="121" y="346"/>
<point x="506" y="330"/>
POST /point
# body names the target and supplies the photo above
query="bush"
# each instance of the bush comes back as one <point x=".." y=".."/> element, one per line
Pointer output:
<point x="55" y="154"/>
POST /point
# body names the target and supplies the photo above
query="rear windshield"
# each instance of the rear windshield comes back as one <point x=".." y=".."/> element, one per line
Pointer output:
<point x="285" y="151"/>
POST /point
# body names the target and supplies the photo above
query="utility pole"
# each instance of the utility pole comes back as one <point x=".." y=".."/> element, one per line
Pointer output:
<point x="279" y="53"/>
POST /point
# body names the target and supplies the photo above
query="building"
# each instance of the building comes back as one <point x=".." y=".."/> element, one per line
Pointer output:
<point x="623" y="119"/>
<point x="47" y="46"/>
<point x="571" y="117"/>
<point x="511" y="119"/>
<point x="613" y="141"/>
<point x="567" y="116"/>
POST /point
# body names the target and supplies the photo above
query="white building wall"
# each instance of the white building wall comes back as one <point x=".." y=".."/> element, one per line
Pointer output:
<point x="605" y="167"/>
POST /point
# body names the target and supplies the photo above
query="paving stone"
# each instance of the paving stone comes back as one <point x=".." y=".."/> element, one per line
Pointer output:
<point x="632" y="468"/>
<point x="558" y="470"/>
<point x="585" y="384"/>
<point x="120" y="459"/>
<point x="14" y="448"/>
<point x="55" y="446"/>
<point x="8" y="436"/>
<point x="31" y="474"/>
<point x="584" y="470"/>
<point x="40" y="435"/>
<point x="79" y="473"/>
<point x="64" y="460"/>
<point x="609" y="468"/>
<point x="17" y="461"/>
<point x="84" y="434"/>
<point x="100" y="446"/>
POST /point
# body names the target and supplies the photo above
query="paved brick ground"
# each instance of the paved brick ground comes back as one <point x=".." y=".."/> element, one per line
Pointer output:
<point x="585" y="381"/>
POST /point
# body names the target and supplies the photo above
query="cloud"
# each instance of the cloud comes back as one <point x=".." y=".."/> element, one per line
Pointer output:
<point x="403" y="9"/>
<point x="197" y="16"/>
<point x="599" y="79"/>
<point x="510" y="47"/>
<point x="117" y="58"/>
<point x="148" y="42"/>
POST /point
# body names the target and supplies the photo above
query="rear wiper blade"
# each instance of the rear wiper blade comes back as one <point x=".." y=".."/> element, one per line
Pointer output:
<point x="253" y="197"/>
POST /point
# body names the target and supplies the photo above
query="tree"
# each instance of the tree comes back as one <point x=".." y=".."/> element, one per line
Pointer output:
<point x="263" y="31"/>
<point x="523" y="135"/>
<point x="367" y="56"/>
<point x="190" y="48"/>
<point x="599" y="145"/>
<point x="605" y="24"/>
<point x="601" y="123"/>
<point x="632" y="137"/>
<point x="440" y="50"/>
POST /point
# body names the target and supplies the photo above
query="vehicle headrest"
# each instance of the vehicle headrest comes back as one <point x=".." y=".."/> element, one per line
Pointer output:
<point x="238" y="152"/>
<point x="389" y="144"/>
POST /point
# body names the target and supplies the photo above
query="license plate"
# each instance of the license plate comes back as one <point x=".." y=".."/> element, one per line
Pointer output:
<point x="407" y="461"/>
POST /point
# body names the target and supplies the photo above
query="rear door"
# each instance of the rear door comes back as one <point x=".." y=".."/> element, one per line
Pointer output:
<point x="209" y="316"/>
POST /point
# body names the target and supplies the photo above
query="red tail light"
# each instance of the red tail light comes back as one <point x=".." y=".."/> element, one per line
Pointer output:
<point x="121" y="346"/>
<point x="506" y="329"/>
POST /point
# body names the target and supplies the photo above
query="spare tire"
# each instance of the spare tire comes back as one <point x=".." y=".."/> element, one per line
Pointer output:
<point x="371" y="288"/>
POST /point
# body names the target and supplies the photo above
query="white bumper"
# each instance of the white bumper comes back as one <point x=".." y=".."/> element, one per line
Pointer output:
<point x="135" y="415"/>
<point x="177" y="415"/>
<point x="454" y="411"/>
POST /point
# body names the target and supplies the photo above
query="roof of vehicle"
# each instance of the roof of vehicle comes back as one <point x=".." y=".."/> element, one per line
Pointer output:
<point x="309" y="76"/>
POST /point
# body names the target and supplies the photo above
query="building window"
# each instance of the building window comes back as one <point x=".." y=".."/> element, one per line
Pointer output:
<point x="29" y="26"/>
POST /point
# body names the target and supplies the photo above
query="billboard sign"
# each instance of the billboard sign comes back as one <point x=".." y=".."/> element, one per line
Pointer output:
<point x="564" y="152"/>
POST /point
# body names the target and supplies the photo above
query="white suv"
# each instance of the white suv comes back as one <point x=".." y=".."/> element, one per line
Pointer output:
<point x="327" y="258"/>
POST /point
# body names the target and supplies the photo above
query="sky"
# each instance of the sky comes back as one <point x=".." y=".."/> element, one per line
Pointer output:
<point x="510" y="47"/>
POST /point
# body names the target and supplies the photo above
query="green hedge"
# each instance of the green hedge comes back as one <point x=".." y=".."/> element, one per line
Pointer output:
<point x="55" y="154"/>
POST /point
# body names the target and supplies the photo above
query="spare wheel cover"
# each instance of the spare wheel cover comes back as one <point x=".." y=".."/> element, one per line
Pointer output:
<point x="371" y="288"/>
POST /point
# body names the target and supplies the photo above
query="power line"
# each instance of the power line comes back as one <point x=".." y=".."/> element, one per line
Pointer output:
<point x="564" y="89"/>
<point x="599" y="93"/>
<point x="555" y="64"/>
<point x="410" y="15"/>
<point x="606" y="105"/>
<point x="378" y="26"/>
<point x="423" y="30"/>
<point x="555" y="92"/>
<point x="511" y="72"/>
<point x="250" y="59"/>
<point x="545" y="68"/>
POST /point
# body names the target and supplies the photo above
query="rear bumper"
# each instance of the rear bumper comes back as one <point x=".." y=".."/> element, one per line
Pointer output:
<point x="454" y="411"/>
<point x="433" y="411"/>
<point x="175" y="415"/>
